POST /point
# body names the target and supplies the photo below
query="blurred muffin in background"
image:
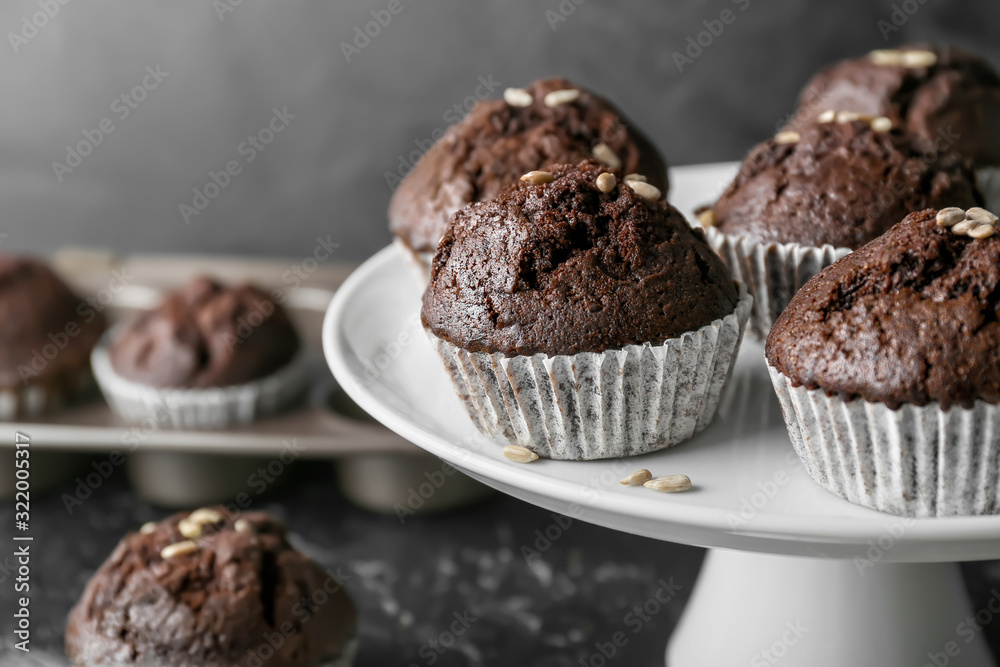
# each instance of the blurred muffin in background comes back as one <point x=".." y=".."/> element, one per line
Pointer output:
<point x="46" y="338"/>
<point x="208" y="356"/>
<point x="550" y="122"/>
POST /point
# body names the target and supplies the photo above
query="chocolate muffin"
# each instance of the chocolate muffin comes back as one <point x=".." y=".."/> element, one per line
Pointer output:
<point x="566" y="269"/>
<point x="803" y="199"/>
<point x="208" y="356"/>
<point x="948" y="98"/>
<point x="206" y="335"/>
<point x="887" y="365"/>
<point x="47" y="335"/>
<point x="213" y="590"/>
<point x="550" y="121"/>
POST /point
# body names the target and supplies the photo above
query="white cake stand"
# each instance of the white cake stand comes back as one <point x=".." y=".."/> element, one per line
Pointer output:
<point x="795" y="575"/>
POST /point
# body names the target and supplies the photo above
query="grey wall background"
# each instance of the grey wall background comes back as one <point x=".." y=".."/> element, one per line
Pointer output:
<point x="324" y="174"/>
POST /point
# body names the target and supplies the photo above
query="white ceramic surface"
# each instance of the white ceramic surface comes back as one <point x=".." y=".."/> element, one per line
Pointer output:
<point x="750" y="490"/>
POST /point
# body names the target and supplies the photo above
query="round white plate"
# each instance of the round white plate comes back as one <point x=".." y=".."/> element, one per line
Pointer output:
<point x="750" y="491"/>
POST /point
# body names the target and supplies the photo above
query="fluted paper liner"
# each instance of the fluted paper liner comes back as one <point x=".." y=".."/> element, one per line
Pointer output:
<point x="988" y="180"/>
<point x="917" y="461"/>
<point x="591" y="405"/>
<point x="213" y="408"/>
<point x="772" y="272"/>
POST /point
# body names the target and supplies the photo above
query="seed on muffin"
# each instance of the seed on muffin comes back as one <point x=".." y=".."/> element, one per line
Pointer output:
<point x="638" y="478"/>
<point x="517" y="97"/>
<point x="559" y="97"/>
<point x="635" y="177"/>
<point x="982" y="231"/>
<point x="204" y="515"/>
<point x="890" y="57"/>
<point x="948" y="217"/>
<point x="669" y="484"/>
<point x="606" y="182"/>
<point x="185" y="548"/>
<point x="519" y="454"/>
<point x="917" y="59"/>
<point x="963" y="227"/>
<point x="981" y="215"/>
<point x="645" y="190"/>
<point x="189" y="529"/>
<point x="538" y="177"/>
<point x="604" y="154"/>
<point x="787" y="137"/>
<point x="243" y="526"/>
<point x="827" y="116"/>
<point x="148" y="527"/>
<point x="881" y="124"/>
<point x="707" y="218"/>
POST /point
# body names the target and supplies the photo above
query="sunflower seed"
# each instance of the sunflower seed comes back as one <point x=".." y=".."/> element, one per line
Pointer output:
<point x="243" y="526"/>
<point x="669" y="484"/>
<point x="204" y="515"/>
<point x="557" y="97"/>
<point x="519" y="454"/>
<point x="148" y="527"/>
<point x="638" y="478"/>
<point x="635" y="177"/>
<point x="606" y="182"/>
<point x="517" y="97"/>
<point x="189" y="529"/>
<point x="538" y="177"/>
<point x="707" y="218"/>
<point x="787" y="137"/>
<point x="881" y="124"/>
<point x="645" y="190"/>
<point x="947" y="217"/>
<point x="982" y="231"/>
<point x="849" y="116"/>
<point x="184" y="548"/>
<point x="604" y="154"/>
<point x="916" y="59"/>
<point x="886" y="57"/>
<point x="981" y="215"/>
<point x="827" y="116"/>
<point x="964" y="227"/>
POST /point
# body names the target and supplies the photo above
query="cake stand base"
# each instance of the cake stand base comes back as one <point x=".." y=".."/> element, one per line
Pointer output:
<point x="762" y="610"/>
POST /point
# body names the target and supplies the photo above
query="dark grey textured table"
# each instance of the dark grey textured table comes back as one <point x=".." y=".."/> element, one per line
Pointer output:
<point x="557" y="603"/>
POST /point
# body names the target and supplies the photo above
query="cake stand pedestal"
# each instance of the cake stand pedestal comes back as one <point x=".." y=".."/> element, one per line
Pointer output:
<point x="795" y="575"/>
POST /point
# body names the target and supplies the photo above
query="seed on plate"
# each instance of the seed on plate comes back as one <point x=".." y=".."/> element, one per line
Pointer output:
<point x="982" y="231"/>
<point x="148" y="527"/>
<point x="517" y="97"/>
<point x="519" y="454"/>
<point x="606" y="182"/>
<point x="538" y="177"/>
<point x="963" y="227"/>
<point x="707" y="218"/>
<point x="204" y="515"/>
<point x="635" y="177"/>
<point x="645" y="190"/>
<point x="917" y="59"/>
<point x="981" y="215"/>
<point x="558" y="97"/>
<point x="827" y="116"/>
<point x="185" y="548"/>
<point x="243" y="526"/>
<point x="603" y="154"/>
<point x="886" y="57"/>
<point x="881" y="124"/>
<point x="669" y="484"/>
<point x="787" y="137"/>
<point x="950" y="216"/>
<point x="189" y="529"/>
<point x="638" y="478"/>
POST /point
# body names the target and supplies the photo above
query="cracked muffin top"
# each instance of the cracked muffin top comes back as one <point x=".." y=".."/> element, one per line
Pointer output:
<point x="206" y="335"/>
<point x="574" y="260"/>
<point x="947" y="97"/>
<point x="552" y="121"/>
<point x="912" y="317"/>
<point x="841" y="182"/>
<point x="48" y="332"/>
<point x="206" y="588"/>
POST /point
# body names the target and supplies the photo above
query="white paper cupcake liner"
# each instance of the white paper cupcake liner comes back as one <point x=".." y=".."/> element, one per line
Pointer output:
<point x="419" y="261"/>
<point x="988" y="180"/>
<point x="599" y="405"/>
<point x="772" y="272"/>
<point x="213" y="408"/>
<point x="917" y="461"/>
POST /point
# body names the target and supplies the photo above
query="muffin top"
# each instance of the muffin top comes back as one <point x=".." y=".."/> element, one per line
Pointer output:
<point x="206" y="335"/>
<point x="47" y="332"/>
<point x="551" y="121"/>
<point x="209" y="589"/>
<point x="912" y="317"/>
<point x="583" y="263"/>
<point x="842" y="182"/>
<point x="947" y="97"/>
